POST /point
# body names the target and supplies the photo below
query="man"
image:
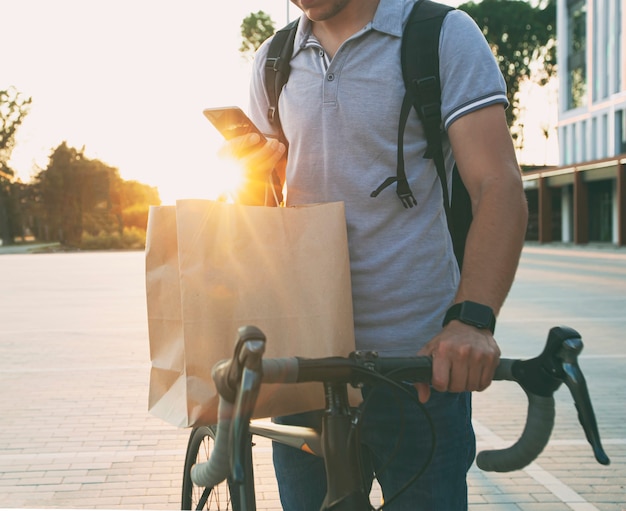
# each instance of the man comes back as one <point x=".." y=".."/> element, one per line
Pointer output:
<point x="339" y="112"/>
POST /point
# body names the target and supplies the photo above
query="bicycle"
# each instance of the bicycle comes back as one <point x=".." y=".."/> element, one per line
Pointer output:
<point x="226" y="454"/>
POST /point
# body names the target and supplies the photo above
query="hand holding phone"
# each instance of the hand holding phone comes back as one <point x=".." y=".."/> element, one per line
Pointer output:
<point x="232" y="122"/>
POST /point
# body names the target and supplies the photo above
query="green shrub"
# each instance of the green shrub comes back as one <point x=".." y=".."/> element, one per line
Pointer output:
<point x="134" y="237"/>
<point x="131" y="238"/>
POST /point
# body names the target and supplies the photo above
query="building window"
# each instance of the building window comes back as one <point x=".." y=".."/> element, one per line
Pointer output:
<point x="575" y="142"/>
<point x="620" y="132"/>
<point x="606" y="48"/>
<point x="594" y="139"/>
<point x="583" y="141"/>
<point x="605" y="136"/>
<point x="577" y="35"/>
<point x="617" y="46"/>
<point x="596" y="35"/>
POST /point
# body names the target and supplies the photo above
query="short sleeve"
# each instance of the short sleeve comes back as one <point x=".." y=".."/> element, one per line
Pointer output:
<point x="470" y="76"/>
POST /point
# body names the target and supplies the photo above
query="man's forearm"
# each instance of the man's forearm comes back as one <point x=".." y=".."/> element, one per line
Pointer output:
<point x="494" y="244"/>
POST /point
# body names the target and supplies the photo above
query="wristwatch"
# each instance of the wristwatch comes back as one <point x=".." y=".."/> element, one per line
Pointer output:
<point x="471" y="313"/>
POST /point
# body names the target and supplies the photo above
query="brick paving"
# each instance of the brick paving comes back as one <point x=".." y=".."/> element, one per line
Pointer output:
<point x="75" y="431"/>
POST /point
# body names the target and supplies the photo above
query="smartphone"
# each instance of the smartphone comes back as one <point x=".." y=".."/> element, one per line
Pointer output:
<point x="232" y="122"/>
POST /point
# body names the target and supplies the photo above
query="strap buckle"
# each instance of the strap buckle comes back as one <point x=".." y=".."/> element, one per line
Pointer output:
<point x="271" y="114"/>
<point x="273" y="63"/>
<point x="403" y="190"/>
<point x="406" y="195"/>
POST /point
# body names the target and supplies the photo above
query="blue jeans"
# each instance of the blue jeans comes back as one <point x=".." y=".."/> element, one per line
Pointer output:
<point x="396" y="442"/>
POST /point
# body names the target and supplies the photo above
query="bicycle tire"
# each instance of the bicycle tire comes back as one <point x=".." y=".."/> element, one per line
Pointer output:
<point x="199" y="448"/>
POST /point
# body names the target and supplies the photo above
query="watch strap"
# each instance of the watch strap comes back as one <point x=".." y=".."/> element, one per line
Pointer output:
<point x="472" y="313"/>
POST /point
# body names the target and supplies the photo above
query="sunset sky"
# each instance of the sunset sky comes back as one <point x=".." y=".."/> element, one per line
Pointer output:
<point x="128" y="79"/>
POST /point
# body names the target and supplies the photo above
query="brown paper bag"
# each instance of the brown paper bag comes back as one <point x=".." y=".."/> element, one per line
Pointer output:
<point x="212" y="267"/>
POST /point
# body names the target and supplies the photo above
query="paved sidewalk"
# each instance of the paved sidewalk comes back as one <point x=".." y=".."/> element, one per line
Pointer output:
<point x="75" y="431"/>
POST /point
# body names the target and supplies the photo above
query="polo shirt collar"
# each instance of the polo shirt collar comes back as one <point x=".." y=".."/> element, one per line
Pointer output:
<point x="388" y="19"/>
<point x="303" y="33"/>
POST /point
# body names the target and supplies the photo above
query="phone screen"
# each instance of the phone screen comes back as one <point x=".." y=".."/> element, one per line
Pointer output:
<point x="231" y="122"/>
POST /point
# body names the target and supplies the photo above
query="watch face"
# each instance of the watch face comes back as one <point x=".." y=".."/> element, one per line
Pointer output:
<point x="475" y="314"/>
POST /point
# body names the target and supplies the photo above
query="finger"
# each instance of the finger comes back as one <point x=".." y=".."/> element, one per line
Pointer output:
<point x="423" y="392"/>
<point x="260" y="162"/>
<point x="488" y="373"/>
<point x="243" y="146"/>
<point x="472" y="371"/>
<point x="266" y="154"/>
<point x="484" y="381"/>
<point x="237" y="146"/>
<point x="474" y="378"/>
<point x="274" y="150"/>
<point x="423" y="389"/>
<point x="460" y="378"/>
<point x="441" y="373"/>
<point x="485" y="367"/>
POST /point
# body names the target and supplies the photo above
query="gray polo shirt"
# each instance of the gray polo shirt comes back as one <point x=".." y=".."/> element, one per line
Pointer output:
<point x="340" y="116"/>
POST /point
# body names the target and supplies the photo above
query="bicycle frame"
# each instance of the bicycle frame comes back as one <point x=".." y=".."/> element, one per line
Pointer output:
<point x="336" y="444"/>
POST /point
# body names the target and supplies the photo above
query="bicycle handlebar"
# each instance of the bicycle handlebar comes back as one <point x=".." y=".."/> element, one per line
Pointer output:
<point x="238" y="380"/>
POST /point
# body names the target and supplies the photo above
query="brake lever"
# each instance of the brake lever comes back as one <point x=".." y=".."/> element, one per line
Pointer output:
<point x="575" y="381"/>
<point x="249" y="349"/>
<point x="249" y="356"/>
<point x="557" y="364"/>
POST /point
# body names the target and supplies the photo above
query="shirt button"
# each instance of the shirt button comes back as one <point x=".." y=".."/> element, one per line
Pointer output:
<point x="321" y="53"/>
<point x="330" y="77"/>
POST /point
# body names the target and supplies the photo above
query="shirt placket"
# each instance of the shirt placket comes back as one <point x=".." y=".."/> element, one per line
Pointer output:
<point x="326" y="67"/>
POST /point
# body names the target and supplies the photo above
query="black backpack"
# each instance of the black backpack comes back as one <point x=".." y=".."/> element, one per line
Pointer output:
<point x="420" y="69"/>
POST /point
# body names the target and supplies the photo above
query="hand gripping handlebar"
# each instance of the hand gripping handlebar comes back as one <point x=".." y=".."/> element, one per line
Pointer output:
<point x="238" y="381"/>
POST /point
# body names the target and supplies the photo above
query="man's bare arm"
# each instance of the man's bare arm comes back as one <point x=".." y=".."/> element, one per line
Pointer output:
<point x="464" y="357"/>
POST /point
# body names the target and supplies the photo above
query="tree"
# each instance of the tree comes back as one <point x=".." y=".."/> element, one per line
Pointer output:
<point x="13" y="109"/>
<point x="57" y="184"/>
<point x="77" y="195"/>
<point x="521" y="36"/>
<point x="136" y="201"/>
<point x="255" y="28"/>
<point x="76" y="198"/>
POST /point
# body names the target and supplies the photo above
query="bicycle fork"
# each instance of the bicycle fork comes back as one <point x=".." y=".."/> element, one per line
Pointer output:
<point x="345" y="489"/>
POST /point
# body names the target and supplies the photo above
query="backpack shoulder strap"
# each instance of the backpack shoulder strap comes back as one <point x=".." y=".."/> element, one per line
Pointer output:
<point x="420" y="68"/>
<point x="277" y="67"/>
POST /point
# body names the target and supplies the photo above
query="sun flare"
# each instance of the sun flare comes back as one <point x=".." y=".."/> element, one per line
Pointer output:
<point x="203" y="176"/>
<point x="223" y="179"/>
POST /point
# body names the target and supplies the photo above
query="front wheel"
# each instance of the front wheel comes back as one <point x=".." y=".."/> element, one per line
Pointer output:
<point x="199" y="449"/>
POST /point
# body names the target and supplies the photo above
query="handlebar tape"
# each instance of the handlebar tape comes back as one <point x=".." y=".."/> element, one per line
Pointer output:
<point x="539" y="423"/>
<point x="217" y="468"/>
<point x="214" y="471"/>
<point x="280" y="370"/>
